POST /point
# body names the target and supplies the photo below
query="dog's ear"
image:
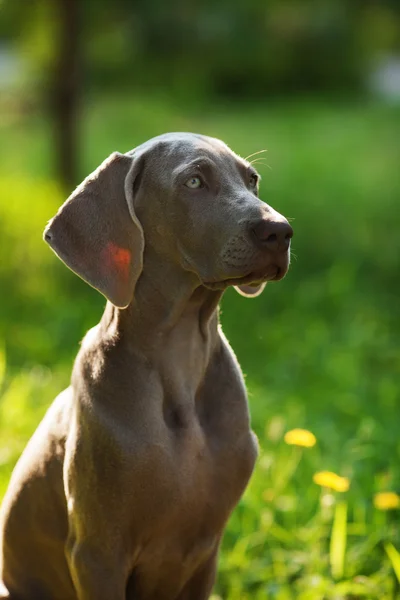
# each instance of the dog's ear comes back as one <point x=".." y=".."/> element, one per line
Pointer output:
<point x="96" y="232"/>
<point x="250" y="291"/>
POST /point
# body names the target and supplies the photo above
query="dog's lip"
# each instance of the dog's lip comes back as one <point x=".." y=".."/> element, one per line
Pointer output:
<point x="254" y="278"/>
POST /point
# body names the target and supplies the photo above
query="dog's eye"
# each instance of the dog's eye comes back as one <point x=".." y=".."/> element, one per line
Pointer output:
<point x="194" y="183"/>
<point x="253" y="180"/>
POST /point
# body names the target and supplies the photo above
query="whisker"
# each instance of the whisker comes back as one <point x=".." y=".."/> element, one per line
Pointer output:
<point x="254" y="153"/>
<point x="259" y="161"/>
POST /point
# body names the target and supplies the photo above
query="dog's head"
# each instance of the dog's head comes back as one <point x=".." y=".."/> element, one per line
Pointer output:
<point x="186" y="198"/>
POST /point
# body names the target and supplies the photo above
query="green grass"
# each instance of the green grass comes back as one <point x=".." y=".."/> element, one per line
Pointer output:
<point x="319" y="350"/>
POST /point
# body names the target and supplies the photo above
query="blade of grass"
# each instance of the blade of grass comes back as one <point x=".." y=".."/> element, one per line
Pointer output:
<point x="337" y="548"/>
<point x="394" y="557"/>
<point x="2" y="365"/>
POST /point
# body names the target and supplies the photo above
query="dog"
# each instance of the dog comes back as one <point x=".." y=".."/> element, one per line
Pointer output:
<point x="124" y="490"/>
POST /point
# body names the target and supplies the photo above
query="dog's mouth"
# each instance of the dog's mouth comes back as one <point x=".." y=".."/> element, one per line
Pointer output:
<point x="253" y="279"/>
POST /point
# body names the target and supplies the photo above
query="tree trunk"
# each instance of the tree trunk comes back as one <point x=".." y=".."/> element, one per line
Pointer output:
<point x="66" y="91"/>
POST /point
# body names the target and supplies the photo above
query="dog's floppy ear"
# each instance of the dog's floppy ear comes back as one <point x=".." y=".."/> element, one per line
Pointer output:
<point x="250" y="291"/>
<point x="96" y="232"/>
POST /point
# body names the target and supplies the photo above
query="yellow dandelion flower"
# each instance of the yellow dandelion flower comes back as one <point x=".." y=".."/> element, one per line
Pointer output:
<point x="300" y="437"/>
<point x="386" y="500"/>
<point x="332" y="481"/>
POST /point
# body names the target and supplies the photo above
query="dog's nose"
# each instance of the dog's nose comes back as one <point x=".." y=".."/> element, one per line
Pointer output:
<point x="273" y="235"/>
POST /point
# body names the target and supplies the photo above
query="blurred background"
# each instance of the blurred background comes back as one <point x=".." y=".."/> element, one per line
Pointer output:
<point x="317" y="84"/>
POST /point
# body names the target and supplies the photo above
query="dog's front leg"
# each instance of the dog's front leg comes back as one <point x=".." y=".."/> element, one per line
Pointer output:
<point x="200" y="585"/>
<point x="96" y="574"/>
<point x="97" y="548"/>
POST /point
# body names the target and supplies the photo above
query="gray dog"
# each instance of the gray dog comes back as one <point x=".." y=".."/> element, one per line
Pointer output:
<point x="124" y="490"/>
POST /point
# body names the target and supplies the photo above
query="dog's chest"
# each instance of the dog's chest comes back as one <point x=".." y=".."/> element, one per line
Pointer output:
<point x="200" y="480"/>
<point x="191" y="474"/>
<point x="199" y="453"/>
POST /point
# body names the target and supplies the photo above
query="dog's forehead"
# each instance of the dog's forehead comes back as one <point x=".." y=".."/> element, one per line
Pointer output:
<point x="182" y="147"/>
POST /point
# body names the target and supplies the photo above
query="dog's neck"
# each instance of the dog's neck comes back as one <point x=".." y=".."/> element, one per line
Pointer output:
<point x="170" y="331"/>
<point x="171" y="325"/>
<point x="170" y="311"/>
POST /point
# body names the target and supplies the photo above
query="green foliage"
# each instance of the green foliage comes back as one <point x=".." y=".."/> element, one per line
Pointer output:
<point x="319" y="349"/>
<point x="394" y="556"/>
<point x="230" y="49"/>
